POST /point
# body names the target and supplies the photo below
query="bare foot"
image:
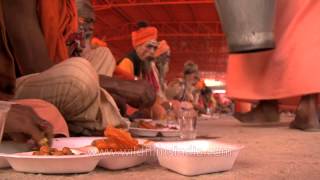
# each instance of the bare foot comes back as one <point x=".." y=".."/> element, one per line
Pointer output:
<point x="306" y="116"/>
<point x="265" y="112"/>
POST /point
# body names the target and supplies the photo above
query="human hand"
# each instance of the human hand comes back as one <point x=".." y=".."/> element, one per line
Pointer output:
<point x="23" y="123"/>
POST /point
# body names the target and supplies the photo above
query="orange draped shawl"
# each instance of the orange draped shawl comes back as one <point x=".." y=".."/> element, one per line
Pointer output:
<point x="58" y="19"/>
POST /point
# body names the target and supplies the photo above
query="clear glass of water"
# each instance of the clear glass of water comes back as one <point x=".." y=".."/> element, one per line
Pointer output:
<point x="170" y="118"/>
<point x="188" y="123"/>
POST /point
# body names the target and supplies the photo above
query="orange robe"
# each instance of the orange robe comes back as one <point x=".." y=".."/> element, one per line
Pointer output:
<point x="124" y="70"/>
<point x="96" y="42"/>
<point x="293" y="68"/>
<point x="58" y="19"/>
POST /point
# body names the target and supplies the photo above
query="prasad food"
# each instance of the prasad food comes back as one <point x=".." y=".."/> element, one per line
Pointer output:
<point x="152" y="125"/>
<point x="117" y="140"/>
<point x="46" y="150"/>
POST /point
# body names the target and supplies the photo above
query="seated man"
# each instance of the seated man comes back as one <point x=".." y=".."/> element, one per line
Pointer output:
<point x="101" y="58"/>
<point x="163" y="105"/>
<point x="162" y="61"/>
<point x="184" y="89"/>
<point x="72" y="86"/>
<point x="207" y="103"/>
<point x="137" y="64"/>
<point x="17" y="121"/>
<point x="149" y="61"/>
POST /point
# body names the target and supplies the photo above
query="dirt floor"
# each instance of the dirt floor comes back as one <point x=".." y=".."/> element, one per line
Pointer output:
<point x="271" y="152"/>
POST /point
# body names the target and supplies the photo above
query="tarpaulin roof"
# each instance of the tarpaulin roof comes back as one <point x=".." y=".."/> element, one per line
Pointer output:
<point x="191" y="27"/>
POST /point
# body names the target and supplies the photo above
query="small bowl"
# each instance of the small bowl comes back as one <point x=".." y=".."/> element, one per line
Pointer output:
<point x="197" y="156"/>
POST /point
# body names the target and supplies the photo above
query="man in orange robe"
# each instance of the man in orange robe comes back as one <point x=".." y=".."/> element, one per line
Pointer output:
<point x="138" y="64"/>
<point x="144" y="42"/>
<point x="291" y="70"/>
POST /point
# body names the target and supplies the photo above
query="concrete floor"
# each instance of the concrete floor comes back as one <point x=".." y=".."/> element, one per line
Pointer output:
<point x="272" y="152"/>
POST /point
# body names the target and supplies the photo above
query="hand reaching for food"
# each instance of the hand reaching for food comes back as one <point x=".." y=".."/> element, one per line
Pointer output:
<point x="30" y="125"/>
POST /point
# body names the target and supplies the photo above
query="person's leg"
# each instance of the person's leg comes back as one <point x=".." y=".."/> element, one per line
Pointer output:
<point x="73" y="87"/>
<point x="306" y="115"/>
<point x="266" y="111"/>
<point x="104" y="63"/>
<point x="102" y="60"/>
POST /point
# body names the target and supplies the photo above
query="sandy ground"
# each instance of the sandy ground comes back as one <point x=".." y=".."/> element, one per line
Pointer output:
<point x="271" y="152"/>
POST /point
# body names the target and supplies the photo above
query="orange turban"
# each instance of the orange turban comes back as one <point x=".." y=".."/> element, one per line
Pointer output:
<point x="162" y="48"/>
<point x="143" y="35"/>
<point x="95" y="42"/>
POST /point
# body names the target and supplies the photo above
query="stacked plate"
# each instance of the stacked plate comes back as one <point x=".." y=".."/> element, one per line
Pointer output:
<point x="26" y="162"/>
<point x="185" y="157"/>
<point x="163" y="132"/>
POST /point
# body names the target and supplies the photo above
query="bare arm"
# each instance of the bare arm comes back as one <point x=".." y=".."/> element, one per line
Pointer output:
<point x="138" y="94"/>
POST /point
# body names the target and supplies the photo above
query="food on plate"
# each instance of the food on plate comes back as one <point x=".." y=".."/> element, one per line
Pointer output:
<point x="46" y="150"/>
<point x="150" y="125"/>
<point x="153" y="125"/>
<point x="117" y="140"/>
<point x="173" y="128"/>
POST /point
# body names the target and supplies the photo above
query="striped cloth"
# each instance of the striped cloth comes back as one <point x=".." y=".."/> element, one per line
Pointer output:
<point x="73" y="87"/>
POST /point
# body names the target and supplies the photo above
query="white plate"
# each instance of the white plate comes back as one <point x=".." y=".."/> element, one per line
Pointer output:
<point x="214" y="116"/>
<point x="10" y="147"/>
<point x="73" y="142"/>
<point x="170" y="133"/>
<point x="166" y="132"/>
<point x="144" y="132"/>
<point x="204" y="117"/>
<point x="3" y="163"/>
<point x="197" y="157"/>
<point x="124" y="160"/>
<point x="26" y="162"/>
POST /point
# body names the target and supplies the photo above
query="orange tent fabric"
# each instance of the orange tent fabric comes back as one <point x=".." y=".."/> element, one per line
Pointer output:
<point x="58" y="19"/>
<point x="292" y="69"/>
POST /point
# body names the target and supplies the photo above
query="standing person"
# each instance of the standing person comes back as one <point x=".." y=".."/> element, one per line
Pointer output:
<point x="291" y="70"/>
